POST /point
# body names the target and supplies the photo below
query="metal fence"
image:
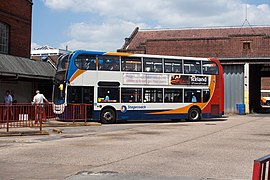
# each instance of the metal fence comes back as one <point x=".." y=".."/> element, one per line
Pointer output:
<point x="23" y="115"/>
<point x="75" y="112"/>
<point x="261" y="168"/>
<point x="28" y="115"/>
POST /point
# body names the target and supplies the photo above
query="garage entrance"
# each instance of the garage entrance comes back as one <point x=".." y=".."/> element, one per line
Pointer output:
<point x="259" y="79"/>
<point x="237" y="88"/>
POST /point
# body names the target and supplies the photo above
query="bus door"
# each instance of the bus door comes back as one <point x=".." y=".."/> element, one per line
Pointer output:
<point x="82" y="95"/>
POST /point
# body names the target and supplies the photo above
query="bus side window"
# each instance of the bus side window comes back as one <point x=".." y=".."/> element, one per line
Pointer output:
<point x="193" y="96"/>
<point x="85" y="61"/>
<point x="108" y="94"/>
<point x="206" y="95"/>
<point x="172" y="65"/>
<point x="153" y="95"/>
<point x="192" y="67"/>
<point x="108" y="63"/>
<point x="133" y="64"/>
<point x="210" y="68"/>
<point x="131" y="95"/>
<point x="153" y="65"/>
<point x="173" y="95"/>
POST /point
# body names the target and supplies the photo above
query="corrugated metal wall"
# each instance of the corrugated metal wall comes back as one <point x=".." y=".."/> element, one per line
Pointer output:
<point x="234" y="86"/>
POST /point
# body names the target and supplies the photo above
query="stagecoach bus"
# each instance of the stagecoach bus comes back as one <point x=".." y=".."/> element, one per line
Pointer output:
<point x="123" y="86"/>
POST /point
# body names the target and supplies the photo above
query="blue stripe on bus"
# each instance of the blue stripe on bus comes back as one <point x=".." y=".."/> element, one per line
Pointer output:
<point x="72" y="67"/>
<point x="143" y="115"/>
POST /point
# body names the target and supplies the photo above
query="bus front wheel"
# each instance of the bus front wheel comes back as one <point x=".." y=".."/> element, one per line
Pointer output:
<point x="194" y="114"/>
<point x="107" y="116"/>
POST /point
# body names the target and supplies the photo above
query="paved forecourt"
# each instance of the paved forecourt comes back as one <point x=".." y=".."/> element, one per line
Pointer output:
<point x="218" y="149"/>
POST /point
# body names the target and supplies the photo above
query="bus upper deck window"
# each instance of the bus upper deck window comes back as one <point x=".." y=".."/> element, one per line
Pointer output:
<point x="133" y="64"/>
<point x="108" y="63"/>
<point x="210" y="68"/>
<point x="192" y="67"/>
<point x="153" y="65"/>
<point x="173" y="65"/>
<point x="86" y="62"/>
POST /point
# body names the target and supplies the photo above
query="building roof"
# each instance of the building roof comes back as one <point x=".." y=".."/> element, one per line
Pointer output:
<point x="47" y="50"/>
<point x="139" y="37"/>
<point x="46" y="47"/>
<point x="25" y="68"/>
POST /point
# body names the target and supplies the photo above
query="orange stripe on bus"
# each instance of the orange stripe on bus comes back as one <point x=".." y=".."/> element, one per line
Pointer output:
<point x="117" y="54"/>
<point x="76" y="74"/>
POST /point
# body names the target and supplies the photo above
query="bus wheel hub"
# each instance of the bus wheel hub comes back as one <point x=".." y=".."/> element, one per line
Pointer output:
<point x="107" y="115"/>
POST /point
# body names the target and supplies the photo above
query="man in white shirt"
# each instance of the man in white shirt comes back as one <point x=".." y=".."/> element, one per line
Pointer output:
<point x="39" y="110"/>
<point x="38" y="98"/>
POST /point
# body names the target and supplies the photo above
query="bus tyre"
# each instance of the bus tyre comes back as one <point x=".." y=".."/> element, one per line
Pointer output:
<point x="194" y="114"/>
<point x="107" y="116"/>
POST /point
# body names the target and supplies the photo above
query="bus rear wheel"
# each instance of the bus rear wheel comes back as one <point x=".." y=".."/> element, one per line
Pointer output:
<point x="107" y="116"/>
<point x="194" y="114"/>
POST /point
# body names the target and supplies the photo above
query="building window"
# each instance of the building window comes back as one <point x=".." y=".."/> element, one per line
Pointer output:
<point x="4" y="38"/>
<point x="246" y="46"/>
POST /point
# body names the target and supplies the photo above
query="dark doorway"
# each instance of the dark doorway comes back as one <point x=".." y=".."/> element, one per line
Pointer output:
<point x="256" y="72"/>
<point x="265" y="88"/>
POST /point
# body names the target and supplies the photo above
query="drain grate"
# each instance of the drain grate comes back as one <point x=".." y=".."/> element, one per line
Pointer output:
<point x="210" y="124"/>
<point x="100" y="173"/>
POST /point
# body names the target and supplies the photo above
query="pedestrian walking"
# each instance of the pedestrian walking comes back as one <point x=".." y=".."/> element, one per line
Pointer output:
<point x="38" y="101"/>
<point x="8" y="114"/>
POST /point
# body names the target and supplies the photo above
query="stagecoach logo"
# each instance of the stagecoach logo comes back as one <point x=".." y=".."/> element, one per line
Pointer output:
<point x="136" y="107"/>
<point x="123" y="109"/>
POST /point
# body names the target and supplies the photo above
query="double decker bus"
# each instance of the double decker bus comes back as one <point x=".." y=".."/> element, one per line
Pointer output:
<point x="123" y="86"/>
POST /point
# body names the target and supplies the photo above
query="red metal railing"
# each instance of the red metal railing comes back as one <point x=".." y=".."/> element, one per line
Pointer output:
<point x="261" y="168"/>
<point x="75" y="113"/>
<point x="23" y="115"/>
<point x="28" y="115"/>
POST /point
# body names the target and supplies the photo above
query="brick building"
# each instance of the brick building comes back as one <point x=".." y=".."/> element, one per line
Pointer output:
<point x="15" y="26"/>
<point x="244" y="53"/>
<point x="208" y="42"/>
<point x="18" y="73"/>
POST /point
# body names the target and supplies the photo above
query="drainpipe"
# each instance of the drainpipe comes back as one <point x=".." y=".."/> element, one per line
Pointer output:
<point x="246" y="87"/>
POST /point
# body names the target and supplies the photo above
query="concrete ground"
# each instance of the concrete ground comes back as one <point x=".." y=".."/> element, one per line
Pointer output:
<point x="210" y="149"/>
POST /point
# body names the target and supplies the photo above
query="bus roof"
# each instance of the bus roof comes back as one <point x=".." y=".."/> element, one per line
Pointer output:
<point x="136" y="55"/>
